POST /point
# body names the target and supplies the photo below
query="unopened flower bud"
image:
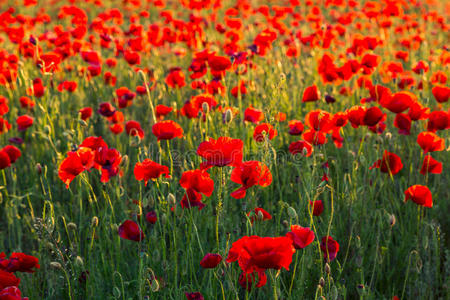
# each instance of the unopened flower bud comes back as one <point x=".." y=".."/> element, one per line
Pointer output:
<point x="392" y="220"/>
<point x="38" y="168"/>
<point x="322" y="282"/>
<point x="55" y="265"/>
<point x="327" y="268"/>
<point x="228" y="117"/>
<point x="94" y="221"/>
<point x="79" y="262"/>
<point x="72" y="226"/>
<point x="291" y="212"/>
<point x="171" y="199"/>
<point x="205" y="107"/>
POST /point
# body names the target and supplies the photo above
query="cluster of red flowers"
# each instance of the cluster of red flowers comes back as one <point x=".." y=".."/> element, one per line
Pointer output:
<point x="17" y="262"/>
<point x="93" y="152"/>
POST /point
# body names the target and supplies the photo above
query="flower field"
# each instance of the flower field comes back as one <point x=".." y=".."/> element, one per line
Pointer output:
<point x="224" y="149"/>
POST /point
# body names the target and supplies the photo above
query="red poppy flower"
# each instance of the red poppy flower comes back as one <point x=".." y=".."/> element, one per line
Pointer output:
<point x="133" y="128"/>
<point x="357" y="116"/>
<point x="420" y="195"/>
<point x="11" y="293"/>
<point x="373" y="116"/>
<point x="224" y="151"/>
<point x="430" y="165"/>
<point x="300" y="236"/>
<point x="191" y="198"/>
<point x="256" y="253"/>
<point x="106" y="109"/>
<point x="403" y="123"/>
<point x="107" y="160"/>
<point x="295" y="127"/>
<point x="175" y="78"/>
<point x="438" y="120"/>
<point x="430" y="142"/>
<point x="210" y="260"/>
<point x="132" y="58"/>
<point x="19" y="262"/>
<point x="161" y="111"/>
<point x="23" y="122"/>
<point x="5" y="161"/>
<point x="280" y="116"/>
<point x="310" y="94"/>
<point x="3" y="105"/>
<point x="149" y="170"/>
<point x="218" y="65"/>
<point x="8" y="279"/>
<point x="13" y="153"/>
<point x="317" y="206"/>
<point x="263" y="130"/>
<point x="441" y="93"/>
<point x="130" y="230"/>
<point x="194" y="296"/>
<point x="167" y="130"/>
<point x="253" y="115"/>
<point x="75" y="163"/>
<point x="246" y="280"/>
<point x="319" y="120"/>
<point x="418" y="112"/>
<point x="329" y="248"/>
<point x="398" y="102"/>
<point x="151" y="217"/>
<point x="4" y="125"/>
<point x="198" y="180"/>
<point x="390" y="163"/>
<point x="259" y="214"/>
<point x="248" y="174"/>
<point x="124" y="97"/>
<point x="85" y="113"/>
<point x="301" y="147"/>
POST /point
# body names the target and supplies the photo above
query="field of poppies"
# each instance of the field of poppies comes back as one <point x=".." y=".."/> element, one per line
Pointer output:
<point x="224" y="149"/>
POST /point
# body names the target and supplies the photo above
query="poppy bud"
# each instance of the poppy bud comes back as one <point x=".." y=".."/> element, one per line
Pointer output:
<point x="205" y="107"/>
<point x="94" y="221"/>
<point x="124" y="161"/>
<point x="392" y="220"/>
<point x="79" y="262"/>
<point x="38" y="168"/>
<point x="321" y="282"/>
<point x="163" y="219"/>
<point x="171" y="199"/>
<point x="32" y="40"/>
<point x="55" y="265"/>
<point x="72" y="226"/>
<point x="327" y="268"/>
<point x="228" y="116"/>
<point x="260" y="215"/>
<point x="291" y="212"/>
<point x="82" y="122"/>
